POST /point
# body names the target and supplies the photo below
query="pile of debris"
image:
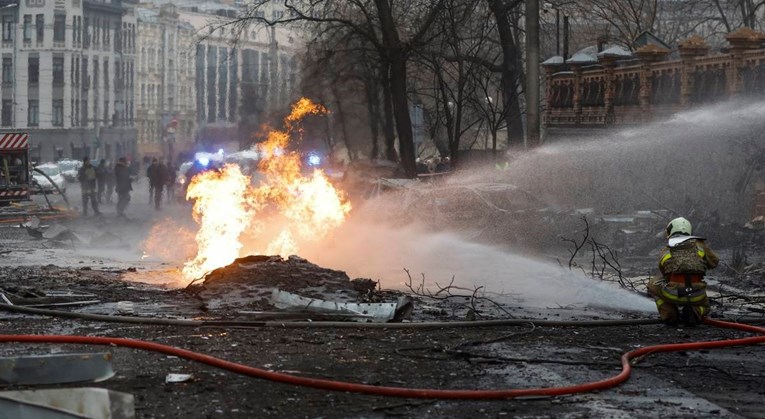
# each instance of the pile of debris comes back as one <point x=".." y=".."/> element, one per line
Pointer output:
<point x="252" y="284"/>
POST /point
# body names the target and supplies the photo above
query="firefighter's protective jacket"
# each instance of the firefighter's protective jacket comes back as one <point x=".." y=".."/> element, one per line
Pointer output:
<point x="690" y="257"/>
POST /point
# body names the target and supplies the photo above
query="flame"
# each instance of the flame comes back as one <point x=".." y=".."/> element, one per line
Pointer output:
<point x="222" y="214"/>
<point x="299" y="208"/>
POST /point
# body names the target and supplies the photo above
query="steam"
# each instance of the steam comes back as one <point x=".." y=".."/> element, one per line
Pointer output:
<point x="381" y="252"/>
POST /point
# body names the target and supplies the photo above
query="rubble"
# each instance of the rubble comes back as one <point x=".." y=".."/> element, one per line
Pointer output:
<point x="248" y="283"/>
<point x="67" y="403"/>
<point x="56" y="368"/>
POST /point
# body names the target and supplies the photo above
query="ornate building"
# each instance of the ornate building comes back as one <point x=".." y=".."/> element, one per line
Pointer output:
<point x="205" y="82"/>
<point x="67" y="76"/>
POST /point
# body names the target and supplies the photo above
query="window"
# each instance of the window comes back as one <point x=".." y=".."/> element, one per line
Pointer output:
<point x="86" y="33"/>
<point x="58" y="113"/>
<point x="40" y="28"/>
<point x="85" y="75"/>
<point x="27" y="28"/>
<point x="8" y="24"/>
<point x="106" y="112"/>
<point x="74" y="30"/>
<point x="7" y="113"/>
<point x="34" y="70"/>
<point x="7" y="70"/>
<point x="95" y="75"/>
<point x="33" y="113"/>
<point x="76" y="73"/>
<point x="106" y="74"/>
<point x="84" y="113"/>
<point x="59" y="27"/>
<point x="58" y="70"/>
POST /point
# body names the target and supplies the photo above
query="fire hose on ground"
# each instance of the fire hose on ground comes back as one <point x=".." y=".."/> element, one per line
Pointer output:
<point x="326" y="384"/>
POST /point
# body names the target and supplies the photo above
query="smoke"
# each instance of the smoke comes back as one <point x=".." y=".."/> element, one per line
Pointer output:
<point x="691" y="162"/>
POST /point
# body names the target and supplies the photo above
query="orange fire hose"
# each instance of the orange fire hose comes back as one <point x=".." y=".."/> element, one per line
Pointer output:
<point x="325" y="384"/>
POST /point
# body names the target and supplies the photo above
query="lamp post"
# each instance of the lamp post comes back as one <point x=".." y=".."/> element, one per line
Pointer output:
<point x="555" y="7"/>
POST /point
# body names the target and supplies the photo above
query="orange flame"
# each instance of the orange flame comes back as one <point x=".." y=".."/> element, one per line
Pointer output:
<point x="303" y="208"/>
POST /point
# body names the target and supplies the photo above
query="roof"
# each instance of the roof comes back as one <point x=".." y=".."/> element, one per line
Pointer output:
<point x="615" y="51"/>
<point x="647" y="38"/>
<point x="554" y="60"/>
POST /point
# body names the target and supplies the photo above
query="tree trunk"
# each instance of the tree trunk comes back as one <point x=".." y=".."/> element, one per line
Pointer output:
<point x="401" y="112"/>
<point x="509" y="73"/>
<point x="373" y="109"/>
<point x="389" y="126"/>
<point x="397" y="57"/>
<point x="343" y="126"/>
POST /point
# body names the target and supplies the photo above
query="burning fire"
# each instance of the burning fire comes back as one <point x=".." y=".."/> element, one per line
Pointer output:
<point x="301" y="208"/>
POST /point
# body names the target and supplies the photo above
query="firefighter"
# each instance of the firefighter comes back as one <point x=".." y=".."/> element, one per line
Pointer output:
<point x="680" y="291"/>
<point x="87" y="177"/>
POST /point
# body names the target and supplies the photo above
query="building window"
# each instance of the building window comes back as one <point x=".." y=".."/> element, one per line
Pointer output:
<point x="27" y="28"/>
<point x="58" y="71"/>
<point x="85" y="74"/>
<point x="86" y="33"/>
<point x="58" y="113"/>
<point x="106" y="74"/>
<point x="7" y="113"/>
<point x="59" y="27"/>
<point x="33" y="114"/>
<point x="84" y="113"/>
<point x="8" y="24"/>
<point x="78" y="32"/>
<point x="106" y="112"/>
<point x="74" y="30"/>
<point x="95" y="75"/>
<point x="7" y="70"/>
<point x="34" y="70"/>
<point x="40" y="28"/>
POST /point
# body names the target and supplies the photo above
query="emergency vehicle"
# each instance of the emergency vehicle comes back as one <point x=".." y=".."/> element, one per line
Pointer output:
<point x="14" y="167"/>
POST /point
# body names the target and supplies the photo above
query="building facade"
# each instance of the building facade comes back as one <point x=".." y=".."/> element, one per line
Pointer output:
<point x="67" y="76"/>
<point x="205" y="83"/>
<point x="166" y="108"/>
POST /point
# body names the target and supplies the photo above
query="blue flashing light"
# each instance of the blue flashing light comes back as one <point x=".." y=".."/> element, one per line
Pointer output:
<point x="204" y="161"/>
<point x="314" y="160"/>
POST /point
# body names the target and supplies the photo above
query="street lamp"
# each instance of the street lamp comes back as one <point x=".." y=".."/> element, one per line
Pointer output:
<point x="555" y="7"/>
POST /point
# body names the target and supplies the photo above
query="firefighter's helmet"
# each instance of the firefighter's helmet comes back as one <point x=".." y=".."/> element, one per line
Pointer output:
<point x="679" y="226"/>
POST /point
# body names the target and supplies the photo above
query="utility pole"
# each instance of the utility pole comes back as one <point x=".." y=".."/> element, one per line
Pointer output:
<point x="532" y="74"/>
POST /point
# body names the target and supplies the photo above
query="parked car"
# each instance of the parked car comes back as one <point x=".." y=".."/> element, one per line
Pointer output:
<point x="54" y="173"/>
<point x="69" y="169"/>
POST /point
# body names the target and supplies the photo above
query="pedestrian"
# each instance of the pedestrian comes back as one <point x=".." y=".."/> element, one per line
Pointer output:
<point x="109" y="182"/>
<point x="101" y="174"/>
<point x="157" y="174"/>
<point x="172" y="174"/>
<point x="87" y="177"/>
<point x="150" y="169"/>
<point x="680" y="291"/>
<point x="123" y="185"/>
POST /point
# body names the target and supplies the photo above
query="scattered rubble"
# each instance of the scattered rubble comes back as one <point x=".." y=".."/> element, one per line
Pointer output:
<point x="248" y="283"/>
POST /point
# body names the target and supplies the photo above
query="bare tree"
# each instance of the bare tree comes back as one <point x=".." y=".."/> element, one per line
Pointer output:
<point x="393" y="29"/>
